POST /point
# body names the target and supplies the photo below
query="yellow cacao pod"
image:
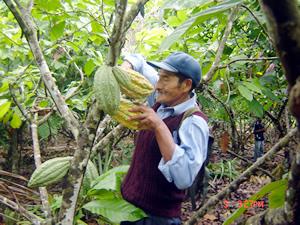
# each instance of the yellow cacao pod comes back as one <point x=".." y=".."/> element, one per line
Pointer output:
<point x="133" y="84"/>
<point x="107" y="90"/>
<point x="122" y="115"/>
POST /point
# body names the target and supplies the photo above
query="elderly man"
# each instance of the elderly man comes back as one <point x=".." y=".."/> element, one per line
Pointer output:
<point x="168" y="154"/>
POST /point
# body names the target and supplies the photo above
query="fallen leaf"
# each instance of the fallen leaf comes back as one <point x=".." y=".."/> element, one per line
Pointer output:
<point x="210" y="217"/>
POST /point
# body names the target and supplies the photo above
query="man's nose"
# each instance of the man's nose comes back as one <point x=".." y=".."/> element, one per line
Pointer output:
<point x="158" y="85"/>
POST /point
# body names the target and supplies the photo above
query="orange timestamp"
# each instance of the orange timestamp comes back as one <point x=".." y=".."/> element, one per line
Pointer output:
<point x="244" y="203"/>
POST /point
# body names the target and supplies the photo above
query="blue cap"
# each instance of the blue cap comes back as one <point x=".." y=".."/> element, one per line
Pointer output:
<point x="182" y="63"/>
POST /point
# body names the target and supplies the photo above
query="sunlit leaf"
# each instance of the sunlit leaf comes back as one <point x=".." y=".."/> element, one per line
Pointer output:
<point x="4" y="109"/>
<point x="277" y="196"/>
<point x="57" y="30"/>
<point x="180" y="4"/>
<point x="89" y="67"/>
<point x="16" y="121"/>
<point x="196" y="19"/>
<point x="116" y="210"/>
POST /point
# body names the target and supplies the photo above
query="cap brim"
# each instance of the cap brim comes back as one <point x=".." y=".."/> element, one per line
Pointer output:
<point x="162" y="65"/>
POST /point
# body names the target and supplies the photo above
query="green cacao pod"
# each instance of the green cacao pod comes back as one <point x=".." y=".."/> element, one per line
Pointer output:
<point x="50" y="172"/>
<point x="107" y="90"/>
<point x="122" y="115"/>
<point x="133" y="84"/>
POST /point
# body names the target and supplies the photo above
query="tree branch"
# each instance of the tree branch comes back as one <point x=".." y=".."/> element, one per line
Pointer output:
<point x="258" y="22"/>
<point x="208" y="76"/>
<point x="117" y="38"/>
<point x="38" y="162"/>
<point x="132" y="14"/>
<point x="247" y="59"/>
<point x="30" y="216"/>
<point x="235" y="184"/>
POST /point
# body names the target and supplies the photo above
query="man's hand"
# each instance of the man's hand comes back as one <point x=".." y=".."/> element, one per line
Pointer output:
<point x="148" y="119"/>
<point x="127" y="65"/>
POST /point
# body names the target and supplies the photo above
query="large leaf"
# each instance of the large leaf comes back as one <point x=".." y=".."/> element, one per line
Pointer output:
<point x="111" y="180"/>
<point x="57" y="30"/>
<point x="256" y="108"/>
<point x="16" y="121"/>
<point x="245" y="92"/>
<point x="115" y="210"/>
<point x="179" y="4"/>
<point x="268" y="188"/>
<point x="251" y="86"/>
<point x="196" y="19"/>
<point x="277" y="196"/>
<point x="4" y="109"/>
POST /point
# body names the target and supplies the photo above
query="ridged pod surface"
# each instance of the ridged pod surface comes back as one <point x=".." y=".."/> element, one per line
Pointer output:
<point x="132" y="84"/>
<point x="49" y="172"/>
<point x="107" y="90"/>
<point x="122" y="115"/>
<point x="53" y="170"/>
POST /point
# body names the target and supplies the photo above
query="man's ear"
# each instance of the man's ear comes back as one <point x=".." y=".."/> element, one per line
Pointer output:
<point x="187" y="84"/>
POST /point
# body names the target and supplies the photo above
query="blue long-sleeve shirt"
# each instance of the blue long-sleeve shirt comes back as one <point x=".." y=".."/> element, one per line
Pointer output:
<point x="193" y="133"/>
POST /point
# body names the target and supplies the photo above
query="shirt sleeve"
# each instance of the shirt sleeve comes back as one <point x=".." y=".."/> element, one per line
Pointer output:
<point x="140" y="65"/>
<point x="189" y="156"/>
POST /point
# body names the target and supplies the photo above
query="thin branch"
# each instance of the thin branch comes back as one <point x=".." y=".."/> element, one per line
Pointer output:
<point x="30" y="216"/>
<point x="103" y="17"/>
<point x="102" y="127"/>
<point x="258" y="22"/>
<point x="117" y="38"/>
<point x="219" y="54"/>
<point x="235" y="184"/>
<point x="132" y="13"/>
<point x="106" y="140"/>
<point x="247" y="59"/>
<point x="80" y="72"/>
<point x="30" y="6"/>
<point x="38" y="162"/>
<point x="23" y="111"/>
<point x="250" y="162"/>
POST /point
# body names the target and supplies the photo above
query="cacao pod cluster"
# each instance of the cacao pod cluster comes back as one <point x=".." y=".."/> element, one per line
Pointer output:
<point x="116" y="89"/>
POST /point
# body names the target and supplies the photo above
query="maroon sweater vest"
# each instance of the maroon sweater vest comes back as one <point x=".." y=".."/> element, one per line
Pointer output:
<point x="144" y="185"/>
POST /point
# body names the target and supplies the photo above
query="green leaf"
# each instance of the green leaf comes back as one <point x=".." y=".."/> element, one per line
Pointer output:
<point x="96" y="27"/>
<point x="115" y="210"/>
<point x="268" y="188"/>
<point x="57" y="30"/>
<point x="4" y="109"/>
<point x="277" y="197"/>
<point x="111" y="180"/>
<point x="16" y="121"/>
<point x="256" y="108"/>
<point x="245" y="92"/>
<point x="89" y="67"/>
<point x="179" y="4"/>
<point x="252" y="86"/>
<point x="4" y="87"/>
<point x="48" y="5"/>
<point x="196" y="19"/>
<point x="43" y="103"/>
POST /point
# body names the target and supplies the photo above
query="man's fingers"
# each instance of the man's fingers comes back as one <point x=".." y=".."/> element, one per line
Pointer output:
<point x="138" y="108"/>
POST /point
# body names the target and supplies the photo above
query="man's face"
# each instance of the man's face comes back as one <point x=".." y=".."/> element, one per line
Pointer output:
<point x="169" y="91"/>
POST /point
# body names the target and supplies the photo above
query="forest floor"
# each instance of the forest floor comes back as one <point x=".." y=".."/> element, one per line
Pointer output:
<point x="218" y="214"/>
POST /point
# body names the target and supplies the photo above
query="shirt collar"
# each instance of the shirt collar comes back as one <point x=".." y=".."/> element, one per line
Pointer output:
<point x="180" y="108"/>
